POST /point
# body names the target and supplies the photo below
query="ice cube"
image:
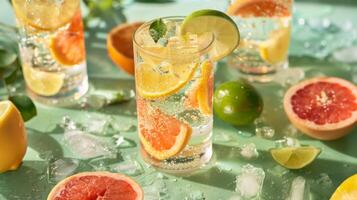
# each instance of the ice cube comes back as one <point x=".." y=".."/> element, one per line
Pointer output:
<point x="250" y="181"/>
<point x="249" y="151"/>
<point x="287" y="142"/>
<point x="195" y="195"/>
<point x="348" y="55"/>
<point x="61" y="168"/>
<point x="87" y="146"/>
<point x="325" y="181"/>
<point x="290" y="131"/>
<point x="289" y="76"/>
<point x="265" y="132"/>
<point x="278" y="171"/>
<point x="235" y="197"/>
<point x="103" y="163"/>
<point x="96" y="125"/>
<point x="67" y="123"/>
<point x="299" y="190"/>
<point x="155" y="188"/>
<point x="129" y="166"/>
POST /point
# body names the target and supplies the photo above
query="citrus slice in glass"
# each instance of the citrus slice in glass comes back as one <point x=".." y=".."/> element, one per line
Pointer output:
<point x="97" y="185"/>
<point x="347" y="190"/>
<point x="45" y="15"/>
<point x="41" y="82"/>
<point x="275" y="49"/>
<point x="226" y="33"/>
<point x="67" y="47"/>
<point x="295" y="157"/>
<point x="13" y="140"/>
<point x="200" y="96"/>
<point x="162" y="136"/>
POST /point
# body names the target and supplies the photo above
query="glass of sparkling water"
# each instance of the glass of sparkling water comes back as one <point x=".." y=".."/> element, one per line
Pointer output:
<point x="52" y="50"/>
<point x="265" y="35"/>
<point x="174" y="84"/>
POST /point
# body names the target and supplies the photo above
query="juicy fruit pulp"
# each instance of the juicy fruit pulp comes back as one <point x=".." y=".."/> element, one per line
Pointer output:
<point x="45" y="15"/>
<point x="162" y="136"/>
<point x="324" y="108"/>
<point x="67" y="46"/>
<point x="258" y="8"/>
<point x="120" y="46"/>
<point x="237" y="102"/>
<point x="13" y="139"/>
<point x="97" y="185"/>
<point x="295" y="157"/>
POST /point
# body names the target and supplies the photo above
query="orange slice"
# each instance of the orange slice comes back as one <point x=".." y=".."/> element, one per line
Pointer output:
<point x="259" y="8"/>
<point x="162" y="136"/>
<point x="201" y="94"/>
<point x="45" y="15"/>
<point x="67" y="47"/>
<point x="347" y="190"/>
<point x="120" y="46"/>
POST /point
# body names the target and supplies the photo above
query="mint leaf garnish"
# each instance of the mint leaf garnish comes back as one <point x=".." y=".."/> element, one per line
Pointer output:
<point x="157" y="29"/>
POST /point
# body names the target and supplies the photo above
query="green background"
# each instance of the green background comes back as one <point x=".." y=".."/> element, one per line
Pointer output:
<point x="216" y="181"/>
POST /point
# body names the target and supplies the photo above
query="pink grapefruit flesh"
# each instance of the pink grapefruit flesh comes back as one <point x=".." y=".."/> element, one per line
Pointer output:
<point x="97" y="186"/>
<point x="324" y="108"/>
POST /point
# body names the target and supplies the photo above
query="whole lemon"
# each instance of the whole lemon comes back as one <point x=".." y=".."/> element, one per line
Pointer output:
<point x="13" y="138"/>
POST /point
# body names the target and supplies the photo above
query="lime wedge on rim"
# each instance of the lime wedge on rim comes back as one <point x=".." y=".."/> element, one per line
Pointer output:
<point x="295" y="157"/>
<point x="225" y="30"/>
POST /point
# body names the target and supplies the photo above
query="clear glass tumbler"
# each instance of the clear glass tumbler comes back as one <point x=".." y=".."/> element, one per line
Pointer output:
<point x="52" y="50"/>
<point x="174" y="84"/>
<point x="265" y="27"/>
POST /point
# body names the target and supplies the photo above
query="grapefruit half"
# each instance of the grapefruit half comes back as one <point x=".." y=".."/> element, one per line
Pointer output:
<point x="324" y="108"/>
<point x="97" y="185"/>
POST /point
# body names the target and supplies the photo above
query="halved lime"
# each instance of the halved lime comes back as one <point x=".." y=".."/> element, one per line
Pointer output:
<point x="295" y="157"/>
<point x="225" y="30"/>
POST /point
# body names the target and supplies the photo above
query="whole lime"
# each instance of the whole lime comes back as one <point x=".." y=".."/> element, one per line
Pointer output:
<point x="237" y="102"/>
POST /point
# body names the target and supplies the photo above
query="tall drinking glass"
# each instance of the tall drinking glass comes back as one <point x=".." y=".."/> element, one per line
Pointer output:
<point x="52" y="49"/>
<point x="265" y="27"/>
<point x="174" y="84"/>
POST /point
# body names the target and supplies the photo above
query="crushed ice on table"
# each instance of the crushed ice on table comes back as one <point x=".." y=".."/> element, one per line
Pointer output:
<point x="130" y="166"/>
<point x="249" y="182"/>
<point x="348" y="55"/>
<point x="321" y="35"/>
<point x="100" y="98"/>
<point x="59" y="169"/>
<point x="102" y="163"/>
<point x="195" y="195"/>
<point x="266" y="132"/>
<point x="299" y="189"/>
<point x="122" y="142"/>
<point x="222" y="137"/>
<point x="324" y="180"/>
<point x="278" y="171"/>
<point x="235" y="197"/>
<point x="154" y="186"/>
<point x="245" y="134"/>
<point x="287" y="142"/>
<point x="249" y="151"/>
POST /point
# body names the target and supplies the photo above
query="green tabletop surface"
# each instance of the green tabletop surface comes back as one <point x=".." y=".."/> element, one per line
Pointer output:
<point x="49" y="159"/>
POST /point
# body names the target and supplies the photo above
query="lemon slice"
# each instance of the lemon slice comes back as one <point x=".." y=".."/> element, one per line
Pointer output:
<point x="224" y="29"/>
<point x="275" y="49"/>
<point x="164" y="79"/>
<point x="13" y="140"/>
<point x="295" y="157"/>
<point x="43" y="83"/>
<point x="347" y="190"/>
<point x="45" y="15"/>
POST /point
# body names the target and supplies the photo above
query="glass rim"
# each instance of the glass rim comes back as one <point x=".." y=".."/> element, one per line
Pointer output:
<point x="200" y="51"/>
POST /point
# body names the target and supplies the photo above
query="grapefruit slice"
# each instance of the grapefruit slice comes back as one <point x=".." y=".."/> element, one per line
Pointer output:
<point x="259" y="8"/>
<point x="97" y="185"/>
<point x="324" y="108"/>
<point x="161" y="135"/>
<point x="67" y="47"/>
<point x="120" y="46"/>
<point x="200" y="96"/>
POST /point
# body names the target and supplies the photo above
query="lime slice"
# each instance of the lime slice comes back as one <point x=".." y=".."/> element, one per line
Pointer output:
<point x="295" y="157"/>
<point x="275" y="49"/>
<point x="226" y="32"/>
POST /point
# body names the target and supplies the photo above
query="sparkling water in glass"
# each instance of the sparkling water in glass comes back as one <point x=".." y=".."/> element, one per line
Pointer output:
<point x="174" y="84"/>
<point x="51" y="43"/>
